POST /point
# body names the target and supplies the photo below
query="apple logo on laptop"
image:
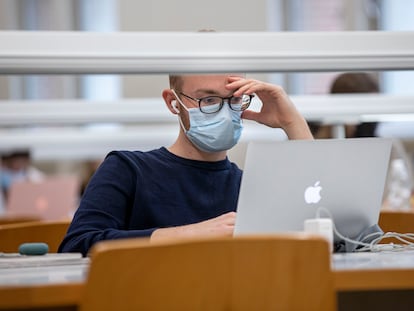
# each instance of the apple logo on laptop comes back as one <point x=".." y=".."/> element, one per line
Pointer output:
<point x="312" y="193"/>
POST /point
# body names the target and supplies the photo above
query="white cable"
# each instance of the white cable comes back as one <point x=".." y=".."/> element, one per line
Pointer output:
<point x="406" y="238"/>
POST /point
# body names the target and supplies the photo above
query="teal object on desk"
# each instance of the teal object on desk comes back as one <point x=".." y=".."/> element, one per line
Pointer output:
<point x="33" y="248"/>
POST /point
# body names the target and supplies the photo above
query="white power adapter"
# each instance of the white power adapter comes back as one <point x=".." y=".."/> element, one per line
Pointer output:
<point x="322" y="227"/>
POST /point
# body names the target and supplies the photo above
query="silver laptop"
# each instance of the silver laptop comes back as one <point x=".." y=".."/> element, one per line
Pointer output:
<point x="284" y="183"/>
<point x="52" y="198"/>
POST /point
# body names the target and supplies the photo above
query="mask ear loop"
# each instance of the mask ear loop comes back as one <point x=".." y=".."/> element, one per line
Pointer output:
<point x="179" y="100"/>
<point x="174" y="106"/>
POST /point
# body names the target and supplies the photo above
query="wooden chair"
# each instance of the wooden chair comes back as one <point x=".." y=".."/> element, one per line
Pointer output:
<point x="241" y="273"/>
<point x="50" y="232"/>
<point x="396" y="221"/>
<point x="6" y="220"/>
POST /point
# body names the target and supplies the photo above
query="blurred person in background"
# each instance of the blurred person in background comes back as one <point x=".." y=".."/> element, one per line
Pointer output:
<point x="16" y="165"/>
<point x="399" y="184"/>
<point x="352" y="82"/>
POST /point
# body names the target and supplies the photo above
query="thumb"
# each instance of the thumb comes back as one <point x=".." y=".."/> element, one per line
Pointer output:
<point x="250" y="115"/>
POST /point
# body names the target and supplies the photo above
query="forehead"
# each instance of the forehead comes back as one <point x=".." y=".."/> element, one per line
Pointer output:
<point x="207" y="81"/>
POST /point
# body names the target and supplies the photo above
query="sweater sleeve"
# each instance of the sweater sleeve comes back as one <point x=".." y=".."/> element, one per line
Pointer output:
<point x="104" y="208"/>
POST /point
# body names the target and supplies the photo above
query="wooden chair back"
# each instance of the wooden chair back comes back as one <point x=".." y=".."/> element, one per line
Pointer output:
<point x="6" y="220"/>
<point x="397" y="221"/>
<point x="241" y="273"/>
<point x="50" y="232"/>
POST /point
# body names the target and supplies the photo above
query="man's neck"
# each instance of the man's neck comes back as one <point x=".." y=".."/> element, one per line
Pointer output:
<point x="187" y="150"/>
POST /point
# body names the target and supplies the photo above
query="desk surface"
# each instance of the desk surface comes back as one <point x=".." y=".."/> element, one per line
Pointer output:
<point x="55" y="280"/>
<point x="59" y="283"/>
<point x="386" y="270"/>
<point x="397" y="259"/>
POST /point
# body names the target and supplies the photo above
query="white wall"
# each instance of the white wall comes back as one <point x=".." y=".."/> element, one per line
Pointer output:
<point x="185" y="15"/>
<point x="190" y="15"/>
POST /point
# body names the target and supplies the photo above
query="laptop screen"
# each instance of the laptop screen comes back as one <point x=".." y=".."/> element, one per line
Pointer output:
<point x="52" y="198"/>
<point x="284" y="183"/>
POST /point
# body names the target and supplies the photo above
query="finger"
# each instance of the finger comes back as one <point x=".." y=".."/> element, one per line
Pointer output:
<point x="237" y="82"/>
<point x="234" y="84"/>
<point x="235" y="78"/>
<point x="248" y="88"/>
<point x="245" y="87"/>
<point x="250" y="115"/>
<point x="253" y="87"/>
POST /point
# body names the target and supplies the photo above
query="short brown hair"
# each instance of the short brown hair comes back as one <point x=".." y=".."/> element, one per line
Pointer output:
<point x="176" y="82"/>
<point x="355" y="82"/>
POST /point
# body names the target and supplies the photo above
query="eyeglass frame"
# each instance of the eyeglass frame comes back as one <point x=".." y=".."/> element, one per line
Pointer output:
<point x="223" y="99"/>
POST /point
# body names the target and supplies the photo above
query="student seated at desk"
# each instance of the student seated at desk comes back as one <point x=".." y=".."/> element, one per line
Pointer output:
<point x="16" y="165"/>
<point x="189" y="189"/>
<point x="399" y="184"/>
<point x="350" y="82"/>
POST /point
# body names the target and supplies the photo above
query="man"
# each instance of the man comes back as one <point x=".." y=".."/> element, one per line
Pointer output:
<point x="189" y="189"/>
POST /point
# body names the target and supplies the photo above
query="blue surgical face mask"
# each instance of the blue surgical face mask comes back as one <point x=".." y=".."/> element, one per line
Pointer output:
<point x="213" y="132"/>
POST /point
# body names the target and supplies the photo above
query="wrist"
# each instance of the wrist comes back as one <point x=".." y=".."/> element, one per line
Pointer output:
<point x="298" y="129"/>
<point x="170" y="234"/>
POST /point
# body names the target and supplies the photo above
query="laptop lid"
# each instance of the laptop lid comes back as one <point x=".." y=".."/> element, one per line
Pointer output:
<point x="284" y="183"/>
<point x="52" y="198"/>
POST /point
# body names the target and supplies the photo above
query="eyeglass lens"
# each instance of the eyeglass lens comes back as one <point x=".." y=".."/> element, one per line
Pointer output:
<point x="238" y="103"/>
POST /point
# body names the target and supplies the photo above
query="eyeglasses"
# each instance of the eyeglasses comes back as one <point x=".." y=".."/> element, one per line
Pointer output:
<point x="213" y="104"/>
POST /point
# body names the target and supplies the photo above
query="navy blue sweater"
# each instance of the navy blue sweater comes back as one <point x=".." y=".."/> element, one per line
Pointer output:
<point x="133" y="193"/>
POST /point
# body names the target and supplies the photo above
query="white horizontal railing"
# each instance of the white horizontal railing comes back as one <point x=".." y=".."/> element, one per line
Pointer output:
<point x="78" y="143"/>
<point x="62" y="129"/>
<point x="75" y="112"/>
<point x="77" y="129"/>
<point x="324" y="108"/>
<point x="59" y="52"/>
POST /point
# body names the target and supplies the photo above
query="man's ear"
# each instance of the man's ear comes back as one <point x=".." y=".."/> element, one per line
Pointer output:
<point x="174" y="106"/>
<point x="170" y="101"/>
